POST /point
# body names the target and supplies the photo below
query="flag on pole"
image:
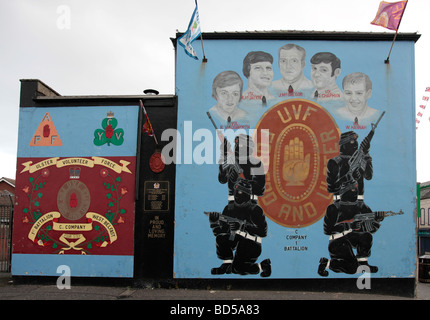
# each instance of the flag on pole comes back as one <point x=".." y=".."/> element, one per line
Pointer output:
<point x="390" y="14"/>
<point x="192" y="33"/>
<point x="147" y="127"/>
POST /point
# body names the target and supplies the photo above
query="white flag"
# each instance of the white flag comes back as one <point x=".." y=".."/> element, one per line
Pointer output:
<point x="192" y="33"/>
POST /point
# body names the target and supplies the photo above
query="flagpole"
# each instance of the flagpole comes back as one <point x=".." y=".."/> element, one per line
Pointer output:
<point x="147" y="119"/>
<point x="204" y="56"/>
<point x="201" y="39"/>
<point x="387" y="61"/>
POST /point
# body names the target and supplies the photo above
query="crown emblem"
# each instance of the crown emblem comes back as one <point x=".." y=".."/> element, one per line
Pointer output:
<point x="75" y="172"/>
<point x="110" y="114"/>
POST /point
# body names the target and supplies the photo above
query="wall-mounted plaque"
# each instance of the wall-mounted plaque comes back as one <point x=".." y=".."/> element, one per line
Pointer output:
<point x="156" y="196"/>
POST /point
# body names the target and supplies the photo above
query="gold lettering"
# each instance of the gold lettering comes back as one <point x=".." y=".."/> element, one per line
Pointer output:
<point x="335" y="149"/>
<point x="323" y="187"/>
<point x="282" y="117"/>
<point x="310" y="209"/>
<point x="269" y="198"/>
<point x="285" y="209"/>
<point x="327" y="136"/>
<point x="298" y="212"/>
<point x="272" y="136"/>
<point x="297" y="112"/>
<point x="307" y="112"/>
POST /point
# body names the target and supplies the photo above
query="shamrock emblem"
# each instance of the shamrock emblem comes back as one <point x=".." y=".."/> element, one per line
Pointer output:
<point x="109" y="134"/>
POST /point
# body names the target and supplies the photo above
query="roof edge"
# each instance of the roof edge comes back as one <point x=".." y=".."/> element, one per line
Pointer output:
<point x="307" y="35"/>
<point x="9" y="181"/>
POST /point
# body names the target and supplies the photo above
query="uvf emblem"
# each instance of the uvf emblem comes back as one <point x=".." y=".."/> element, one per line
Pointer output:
<point x="303" y="137"/>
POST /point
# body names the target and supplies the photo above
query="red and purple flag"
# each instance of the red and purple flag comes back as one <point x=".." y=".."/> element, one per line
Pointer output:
<point x="390" y="14"/>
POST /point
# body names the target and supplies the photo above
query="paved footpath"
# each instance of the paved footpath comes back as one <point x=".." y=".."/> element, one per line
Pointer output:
<point x="18" y="290"/>
<point x="168" y="303"/>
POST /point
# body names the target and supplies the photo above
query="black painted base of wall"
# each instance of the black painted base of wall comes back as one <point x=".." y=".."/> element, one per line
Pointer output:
<point x="401" y="287"/>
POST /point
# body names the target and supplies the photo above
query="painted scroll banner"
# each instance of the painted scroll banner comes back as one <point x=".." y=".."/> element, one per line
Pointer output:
<point x="91" y="198"/>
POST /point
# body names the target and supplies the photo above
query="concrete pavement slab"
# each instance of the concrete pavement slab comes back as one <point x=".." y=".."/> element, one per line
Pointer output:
<point x="15" y="290"/>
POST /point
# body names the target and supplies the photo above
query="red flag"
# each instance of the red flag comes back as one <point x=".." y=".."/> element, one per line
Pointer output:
<point x="390" y="14"/>
<point x="147" y="127"/>
<point x="428" y="89"/>
<point x="426" y="98"/>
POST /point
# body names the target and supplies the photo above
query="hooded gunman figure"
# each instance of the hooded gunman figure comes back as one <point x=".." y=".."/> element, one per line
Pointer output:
<point x="345" y="233"/>
<point x="242" y="225"/>
<point x="240" y="164"/>
<point x="239" y="231"/>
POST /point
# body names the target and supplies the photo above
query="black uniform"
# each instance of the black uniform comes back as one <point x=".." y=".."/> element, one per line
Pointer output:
<point x="338" y="167"/>
<point x="239" y="242"/>
<point x="345" y="234"/>
<point x="244" y="248"/>
<point x="246" y="167"/>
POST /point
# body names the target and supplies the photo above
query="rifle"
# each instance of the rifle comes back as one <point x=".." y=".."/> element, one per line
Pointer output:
<point x="231" y="159"/>
<point x="228" y="220"/>
<point x="370" y="216"/>
<point x="357" y="158"/>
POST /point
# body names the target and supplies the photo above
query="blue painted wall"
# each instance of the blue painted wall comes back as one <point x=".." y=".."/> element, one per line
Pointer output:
<point x="392" y="150"/>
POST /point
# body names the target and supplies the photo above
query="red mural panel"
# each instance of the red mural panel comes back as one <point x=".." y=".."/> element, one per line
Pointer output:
<point x="75" y="205"/>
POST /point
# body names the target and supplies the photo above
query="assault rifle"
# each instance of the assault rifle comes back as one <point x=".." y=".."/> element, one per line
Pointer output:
<point x="229" y="220"/>
<point x="356" y="159"/>
<point x="231" y="159"/>
<point x="371" y="216"/>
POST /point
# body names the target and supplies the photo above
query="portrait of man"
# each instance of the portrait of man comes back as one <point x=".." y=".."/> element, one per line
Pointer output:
<point x="257" y="67"/>
<point x="227" y="90"/>
<point x="291" y="61"/>
<point x="357" y="90"/>
<point x="325" y="68"/>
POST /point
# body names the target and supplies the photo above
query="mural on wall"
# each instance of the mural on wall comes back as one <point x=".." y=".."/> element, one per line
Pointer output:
<point x="284" y="196"/>
<point x="239" y="229"/>
<point x="303" y="136"/>
<point x="46" y="134"/>
<point x="64" y="210"/>
<point x="110" y="133"/>
<point x="349" y="222"/>
<point x="76" y="202"/>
